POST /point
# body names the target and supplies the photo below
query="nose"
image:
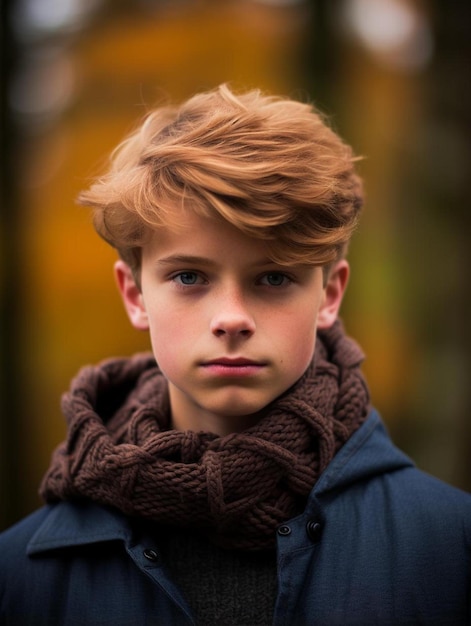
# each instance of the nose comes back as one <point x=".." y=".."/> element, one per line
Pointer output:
<point x="232" y="317"/>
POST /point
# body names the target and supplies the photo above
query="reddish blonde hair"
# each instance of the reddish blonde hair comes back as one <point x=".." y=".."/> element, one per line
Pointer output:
<point x="269" y="166"/>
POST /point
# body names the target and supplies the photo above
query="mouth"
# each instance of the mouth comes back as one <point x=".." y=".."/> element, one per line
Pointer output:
<point x="238" y="367"/>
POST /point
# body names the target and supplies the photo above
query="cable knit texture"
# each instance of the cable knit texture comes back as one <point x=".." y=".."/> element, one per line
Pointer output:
<point x="121" y="450"/>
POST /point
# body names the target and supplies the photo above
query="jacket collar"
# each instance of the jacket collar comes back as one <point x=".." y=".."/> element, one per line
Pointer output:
<point x="76" y="524"/>
<point x="80" y="523"/>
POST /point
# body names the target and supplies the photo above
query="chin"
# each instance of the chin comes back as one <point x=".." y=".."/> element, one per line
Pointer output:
<point x="235" y="411"/>
<point x="235" y="405"/>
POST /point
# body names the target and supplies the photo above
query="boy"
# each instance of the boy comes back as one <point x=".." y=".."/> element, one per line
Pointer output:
<point x="245" y="479"/>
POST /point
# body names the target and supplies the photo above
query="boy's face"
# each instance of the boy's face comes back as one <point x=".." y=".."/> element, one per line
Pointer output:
<point x="230" y="329"/>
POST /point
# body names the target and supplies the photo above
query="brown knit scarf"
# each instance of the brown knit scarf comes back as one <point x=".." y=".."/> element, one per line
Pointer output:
<point x="120" y="450"/>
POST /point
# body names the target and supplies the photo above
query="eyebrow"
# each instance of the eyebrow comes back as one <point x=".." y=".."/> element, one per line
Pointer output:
<point x="190" y="259"/>
<point x="185" y="258"/>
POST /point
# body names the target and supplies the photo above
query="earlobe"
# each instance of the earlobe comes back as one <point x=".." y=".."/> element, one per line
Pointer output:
<point x="131" y="295"/>
<point x="333" y="294"/>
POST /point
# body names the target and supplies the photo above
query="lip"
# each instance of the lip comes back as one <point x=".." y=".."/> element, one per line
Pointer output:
<point x="235" y="366"/>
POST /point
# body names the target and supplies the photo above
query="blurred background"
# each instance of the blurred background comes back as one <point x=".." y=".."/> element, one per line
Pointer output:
<point x="393" y="75"/>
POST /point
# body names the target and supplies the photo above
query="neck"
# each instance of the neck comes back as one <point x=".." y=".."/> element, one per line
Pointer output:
<point x="220" y="425"/>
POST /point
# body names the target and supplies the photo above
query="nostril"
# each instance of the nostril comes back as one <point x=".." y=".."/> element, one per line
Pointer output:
<point x="244" y="332"/>
<point x="233" y="326"/>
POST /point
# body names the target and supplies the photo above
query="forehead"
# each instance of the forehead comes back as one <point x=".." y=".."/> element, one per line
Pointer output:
<point x="197" y="235"/>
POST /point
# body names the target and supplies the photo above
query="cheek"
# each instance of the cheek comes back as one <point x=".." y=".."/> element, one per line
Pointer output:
<point x="299" y="338"/>
<point x="171" y="336"/>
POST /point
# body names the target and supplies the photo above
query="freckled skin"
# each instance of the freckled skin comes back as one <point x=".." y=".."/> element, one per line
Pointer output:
<point x="210" y="294"/>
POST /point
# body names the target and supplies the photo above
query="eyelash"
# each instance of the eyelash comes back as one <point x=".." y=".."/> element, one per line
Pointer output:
<point x="200" y="280"/>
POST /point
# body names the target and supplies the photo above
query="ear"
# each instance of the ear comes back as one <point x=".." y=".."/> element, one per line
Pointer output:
<point x="333" y="294"/>
<point x="131" y="295"/>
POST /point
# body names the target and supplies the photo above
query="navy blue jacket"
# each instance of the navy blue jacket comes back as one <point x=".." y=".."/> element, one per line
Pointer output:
<point x="379" y="543"/>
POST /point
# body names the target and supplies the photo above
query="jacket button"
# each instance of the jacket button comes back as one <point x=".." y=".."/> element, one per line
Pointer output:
<point x="284" y="530"/>
<point x="151" y="555"/>
<point x="314" y="530"/>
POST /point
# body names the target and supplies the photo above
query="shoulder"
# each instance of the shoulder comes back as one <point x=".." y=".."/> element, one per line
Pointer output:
<point x="430" y="510"/>
<point x="62" y="530"/>
<point x="421" y="487"/>
<point x="61" y="547"/>
<point x="370" y="473"/>
<point x="385" y="527"/>
<point x="14" y="540"/>
<point x="18" y="572"/>
<point x="423" y="506"/>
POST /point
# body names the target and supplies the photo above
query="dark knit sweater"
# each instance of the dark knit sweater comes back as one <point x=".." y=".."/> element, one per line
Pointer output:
<point x="222" y="587"/>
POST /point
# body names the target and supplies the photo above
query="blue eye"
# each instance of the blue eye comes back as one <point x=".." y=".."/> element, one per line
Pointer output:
<point x="275" y="279"/>
<point x="186" y="278"/>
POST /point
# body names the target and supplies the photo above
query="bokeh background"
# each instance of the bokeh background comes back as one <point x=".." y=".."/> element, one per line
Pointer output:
<point x="394" y="77"/>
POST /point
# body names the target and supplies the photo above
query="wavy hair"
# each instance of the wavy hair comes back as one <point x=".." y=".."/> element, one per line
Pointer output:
<point x="269" y="166"/>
